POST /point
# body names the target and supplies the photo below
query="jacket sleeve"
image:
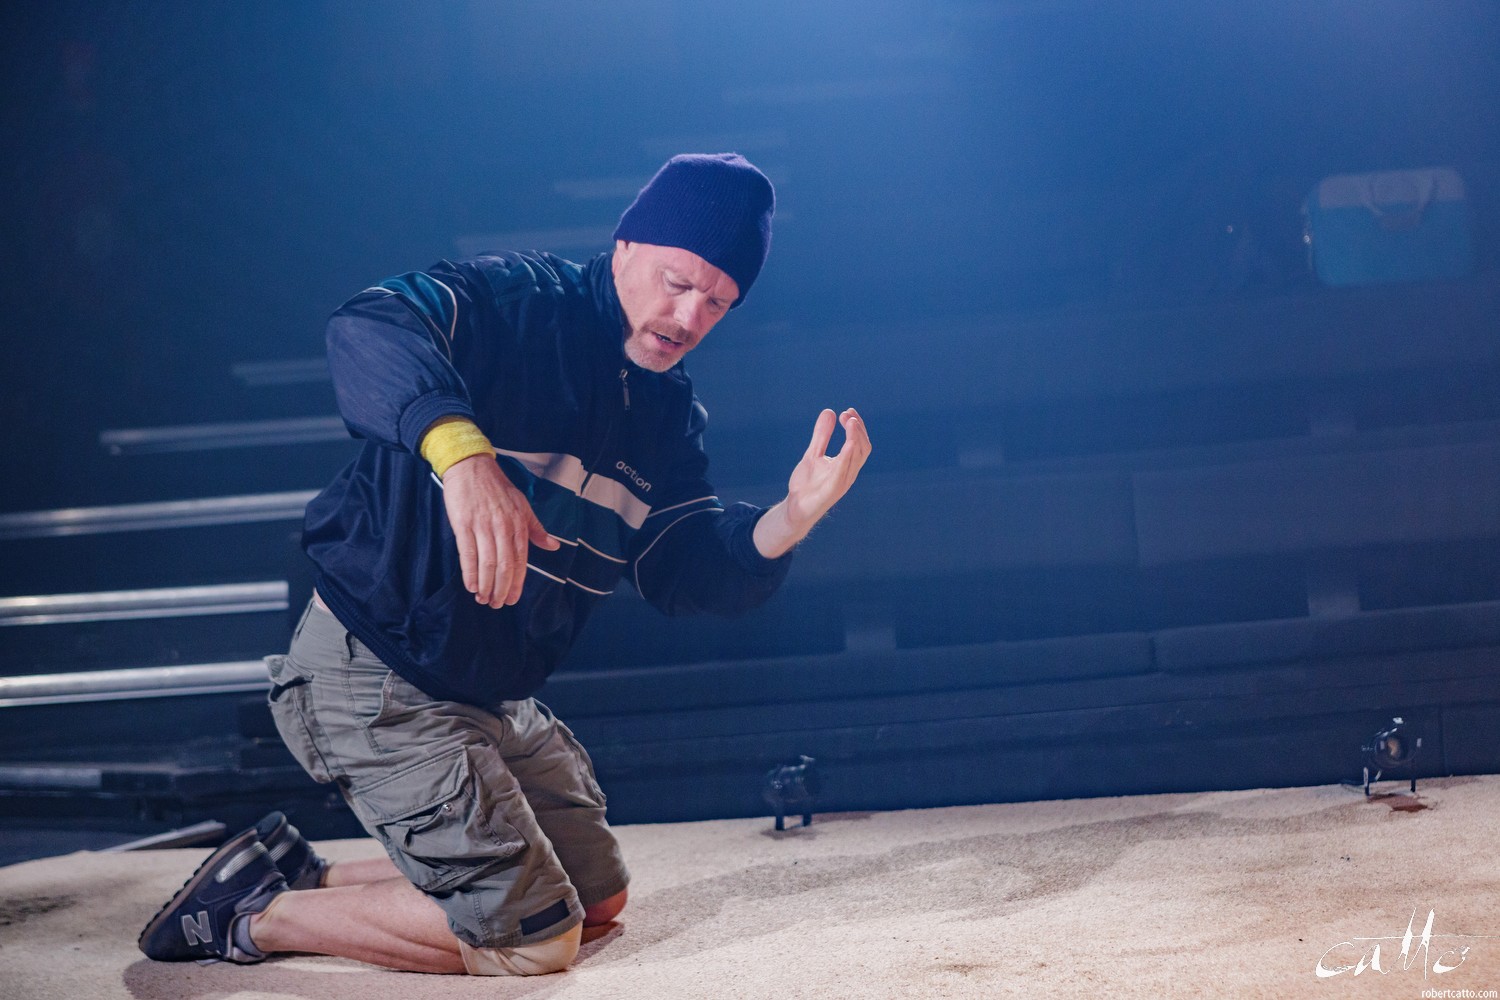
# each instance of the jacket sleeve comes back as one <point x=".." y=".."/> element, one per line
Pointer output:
<point x="694" y="556"/>
<point x="397" y="353"/>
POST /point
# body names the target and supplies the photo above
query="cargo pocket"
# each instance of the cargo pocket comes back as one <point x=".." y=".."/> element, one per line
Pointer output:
<point x="439" y="827"/>
<point x="586" y="789"/>
<point x="589" y="781"/>
<point x="290" y="708"/>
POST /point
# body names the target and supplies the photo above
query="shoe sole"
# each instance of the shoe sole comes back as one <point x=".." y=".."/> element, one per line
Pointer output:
<point x="202" y="874"/>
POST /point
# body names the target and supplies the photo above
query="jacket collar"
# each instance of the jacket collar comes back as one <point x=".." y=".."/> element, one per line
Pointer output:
<point x="606" y="302"/>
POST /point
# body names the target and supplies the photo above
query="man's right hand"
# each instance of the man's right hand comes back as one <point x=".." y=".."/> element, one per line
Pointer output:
<point x="493" y="524"/>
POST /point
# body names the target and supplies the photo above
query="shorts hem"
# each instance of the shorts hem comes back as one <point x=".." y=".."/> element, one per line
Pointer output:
<point x="516" y="939"/>
<point x="598" y="892"/>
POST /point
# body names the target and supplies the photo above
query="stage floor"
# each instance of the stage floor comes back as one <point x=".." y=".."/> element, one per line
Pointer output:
<point x="1221" y="894"/>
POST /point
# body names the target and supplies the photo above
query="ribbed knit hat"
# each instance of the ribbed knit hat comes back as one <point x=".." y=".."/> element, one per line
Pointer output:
<point x="716" y="205"/>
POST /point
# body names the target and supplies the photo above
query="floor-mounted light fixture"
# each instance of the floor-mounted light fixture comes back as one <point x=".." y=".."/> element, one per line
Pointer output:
<point x="793" y="788"/>
<point x="1392" y="749"/>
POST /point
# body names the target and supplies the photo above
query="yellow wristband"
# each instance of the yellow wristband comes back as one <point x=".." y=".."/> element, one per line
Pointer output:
<point x="451" y="440"/>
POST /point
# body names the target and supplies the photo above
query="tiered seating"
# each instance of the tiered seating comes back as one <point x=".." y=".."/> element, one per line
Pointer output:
<point x="1094" y="553"/>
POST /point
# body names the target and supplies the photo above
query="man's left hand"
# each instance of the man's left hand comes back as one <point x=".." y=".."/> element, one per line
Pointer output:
<point x="817" y="483"/>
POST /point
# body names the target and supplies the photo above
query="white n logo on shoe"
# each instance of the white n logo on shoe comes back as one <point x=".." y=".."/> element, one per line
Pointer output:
<point x="197" y="929"/>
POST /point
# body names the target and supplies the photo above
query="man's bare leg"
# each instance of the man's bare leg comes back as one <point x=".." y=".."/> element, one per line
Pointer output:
<point x="367" y="870"/>
<point x="361" y="872"/>
<point x="386" y="922"/>
<point x="382" y="921"/>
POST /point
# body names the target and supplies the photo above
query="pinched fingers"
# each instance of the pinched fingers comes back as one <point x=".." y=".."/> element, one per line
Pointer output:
<point x="855" y="434"/>
<point x="821" y="436"/>
<point x="856" y="442"/>
<point x="820" y="480"/>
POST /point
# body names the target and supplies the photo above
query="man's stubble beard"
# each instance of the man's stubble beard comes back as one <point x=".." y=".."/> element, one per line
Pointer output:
<point x="643" y="357"/>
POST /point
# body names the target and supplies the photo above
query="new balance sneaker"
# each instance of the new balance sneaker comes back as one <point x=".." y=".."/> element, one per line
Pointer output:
<point x="237" y="880"/>
<point x="294" y="856"/>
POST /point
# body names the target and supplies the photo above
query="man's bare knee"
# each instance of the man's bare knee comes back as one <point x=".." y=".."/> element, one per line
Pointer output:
<point x="605" y="910"/>
<point x="551" y="955"/>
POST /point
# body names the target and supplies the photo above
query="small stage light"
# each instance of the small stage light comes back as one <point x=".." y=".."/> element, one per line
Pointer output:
<point x="1392" y="749"/>
<point x="793" y="788"/>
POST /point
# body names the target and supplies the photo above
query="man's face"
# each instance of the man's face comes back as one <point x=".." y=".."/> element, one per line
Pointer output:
<point x="671" y="299"/>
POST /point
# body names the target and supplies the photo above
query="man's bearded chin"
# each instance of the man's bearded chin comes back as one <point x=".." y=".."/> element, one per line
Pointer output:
<point x="639" y="343"/>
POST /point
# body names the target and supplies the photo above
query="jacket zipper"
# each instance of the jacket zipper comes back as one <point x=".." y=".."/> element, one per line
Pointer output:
<point x="609" y="435"/>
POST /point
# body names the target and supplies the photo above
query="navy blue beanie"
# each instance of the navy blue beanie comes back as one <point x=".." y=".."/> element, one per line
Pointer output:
<point x="716" y="205"/>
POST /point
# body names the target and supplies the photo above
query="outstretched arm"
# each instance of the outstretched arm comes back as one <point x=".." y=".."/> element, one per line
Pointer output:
<point x="817" y="483"/>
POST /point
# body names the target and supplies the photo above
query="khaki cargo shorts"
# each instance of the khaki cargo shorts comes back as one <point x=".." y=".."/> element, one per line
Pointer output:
<point x="495" y="814"/>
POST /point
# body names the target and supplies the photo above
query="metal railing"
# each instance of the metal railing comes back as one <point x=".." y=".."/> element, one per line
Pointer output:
<point x="163" y="602"/>
<point x="150" y="516"/>
<point x="142" y="682"/>
<point x="207" y="437"/>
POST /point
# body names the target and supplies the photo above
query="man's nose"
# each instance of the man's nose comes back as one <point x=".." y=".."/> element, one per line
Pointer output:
<point x="692" y="315"/>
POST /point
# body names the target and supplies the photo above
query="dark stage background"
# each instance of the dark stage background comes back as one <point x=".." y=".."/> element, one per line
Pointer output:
<point x="1151" y="507"/>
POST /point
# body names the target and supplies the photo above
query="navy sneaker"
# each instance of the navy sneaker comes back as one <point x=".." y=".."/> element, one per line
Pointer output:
<point x="237" y="880"/>
<point x="294" y="856"/>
